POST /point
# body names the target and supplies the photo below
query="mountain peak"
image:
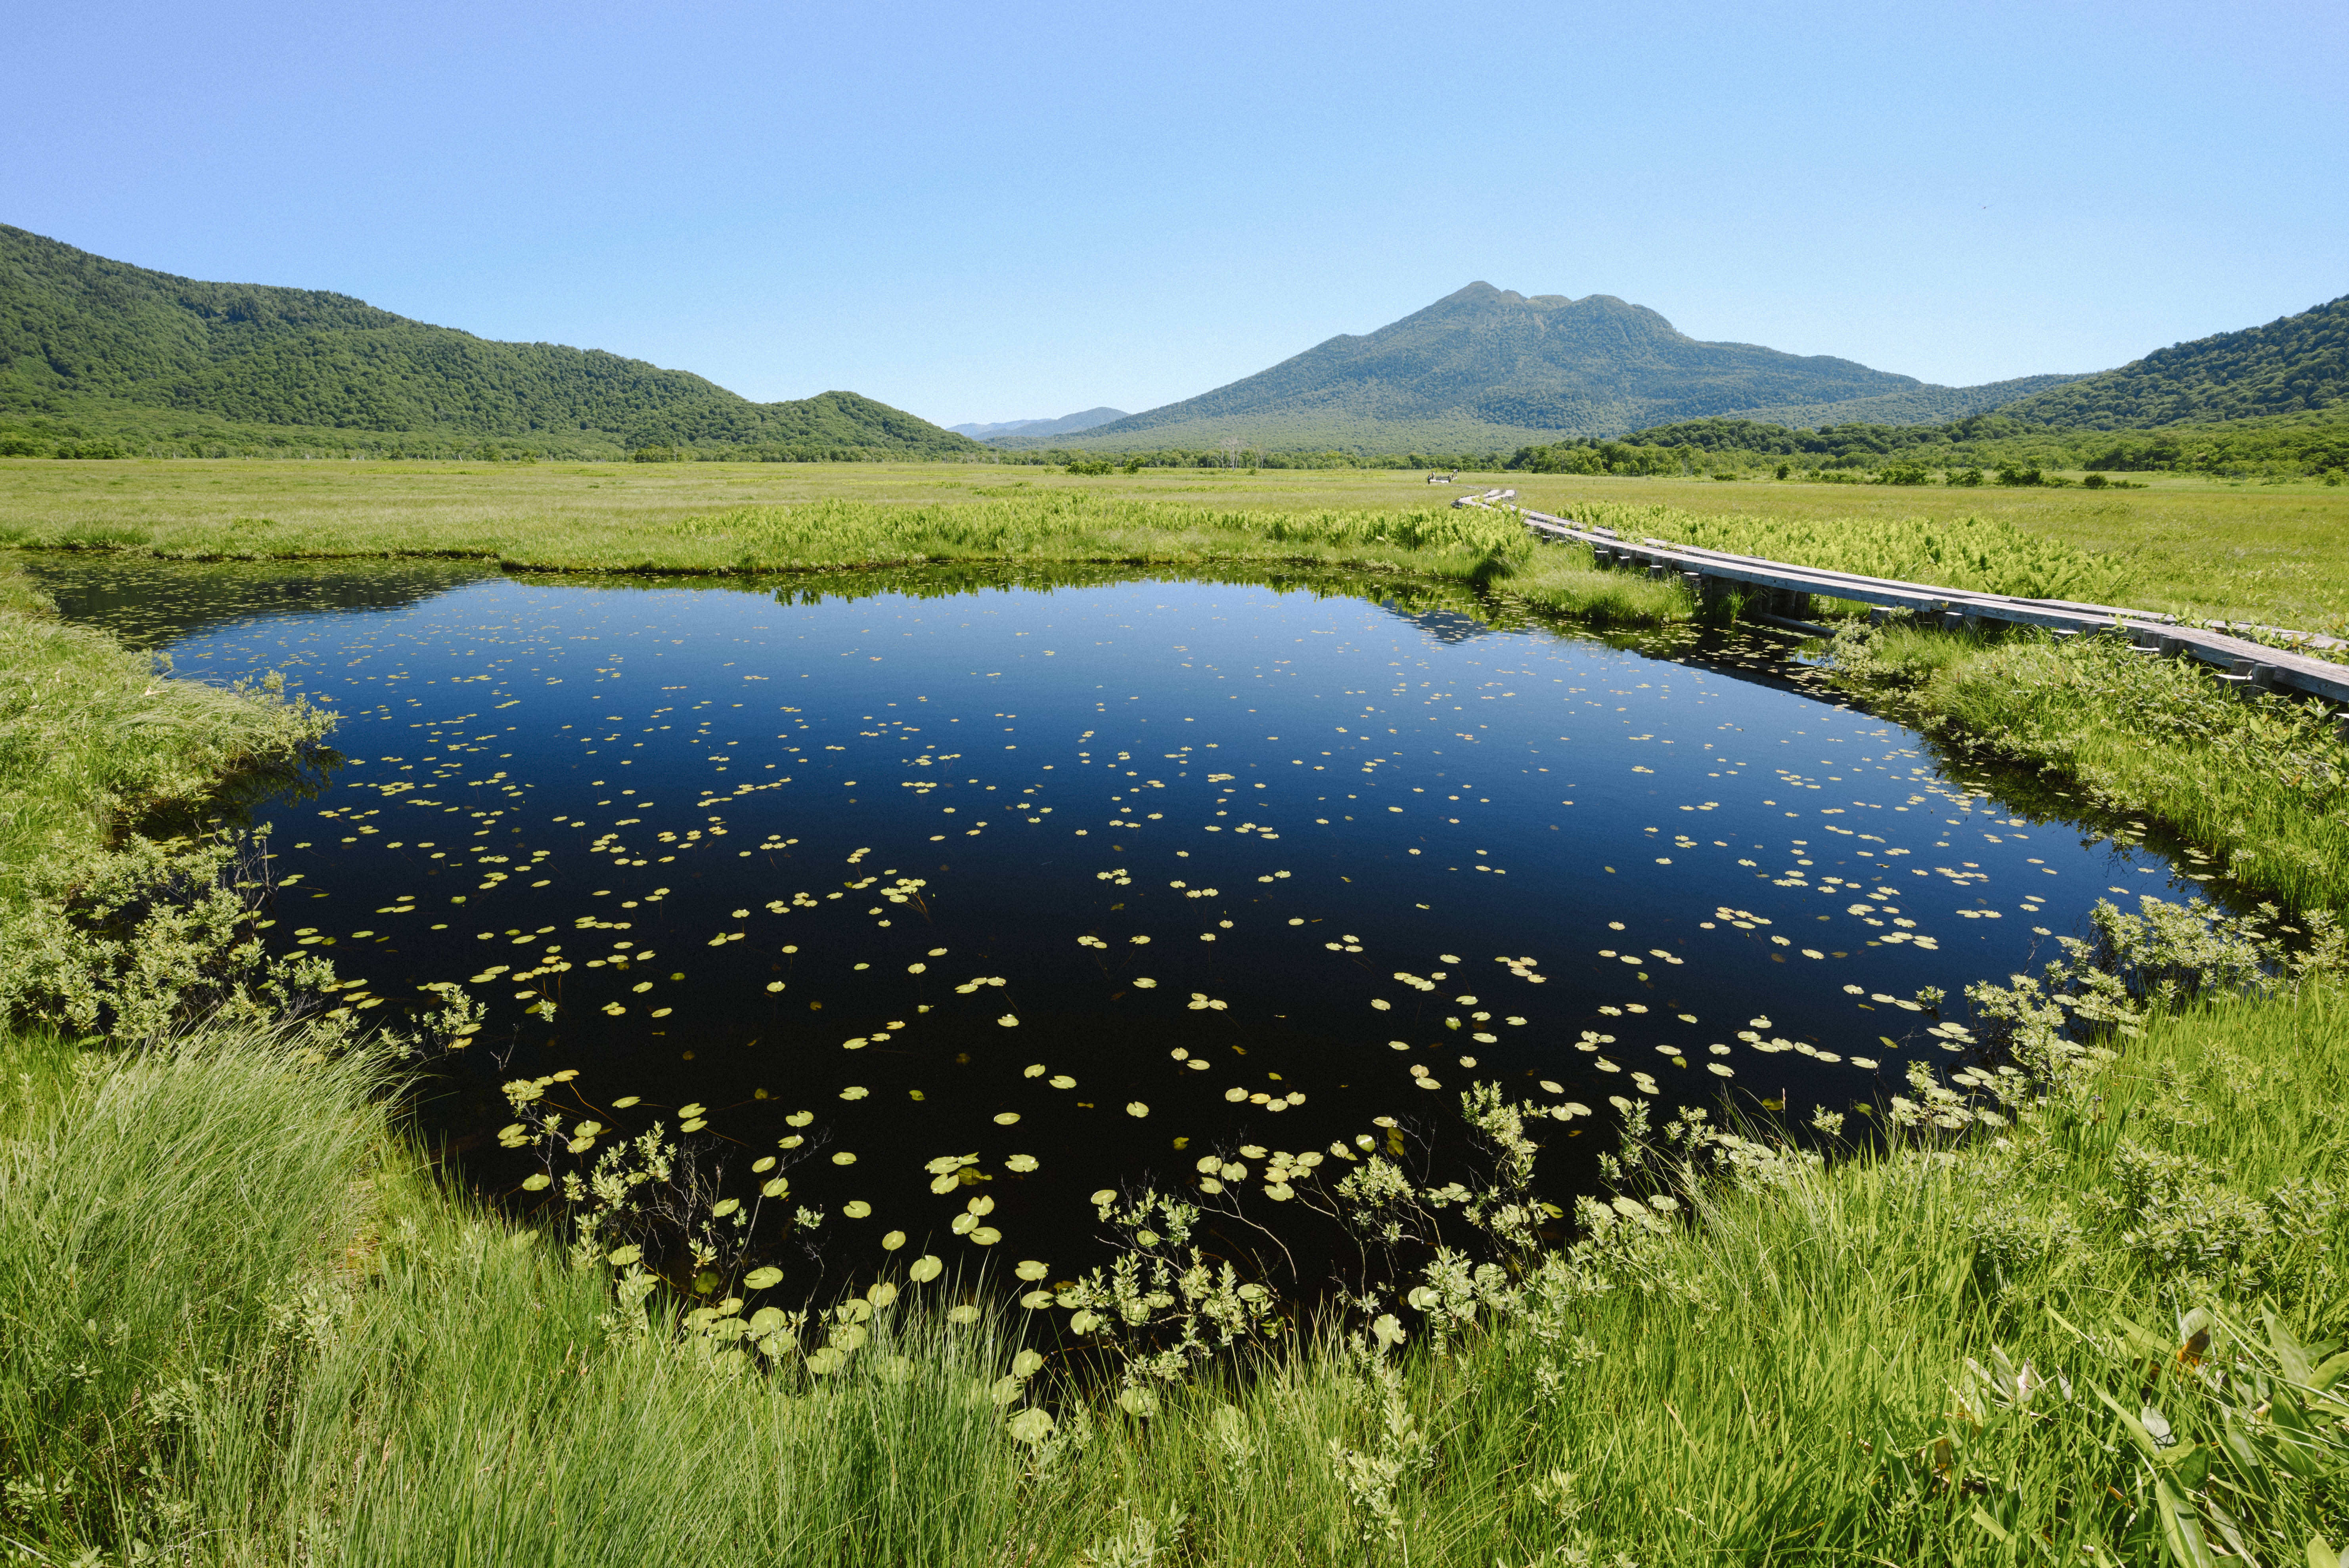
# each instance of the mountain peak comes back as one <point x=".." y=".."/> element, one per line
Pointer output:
<point x="1488" y="365"/>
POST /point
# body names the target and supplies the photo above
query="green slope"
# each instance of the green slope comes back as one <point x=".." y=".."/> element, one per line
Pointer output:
<point x="1920" y="406"/>
<point x="89" y="339"/>
<point x="2269" y="446"/>
<point x="2297" y="363"/>
<point x="1491" y="368"/>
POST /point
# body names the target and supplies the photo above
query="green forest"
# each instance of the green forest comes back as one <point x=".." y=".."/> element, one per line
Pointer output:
<point x="2297" y="364"/>
<point x="1464" y="376"/>
<point x="1486" y="367"/>
<point x="103" y="359"/>
<point x="96" y="352"/>
<point x="2277" y="446"/>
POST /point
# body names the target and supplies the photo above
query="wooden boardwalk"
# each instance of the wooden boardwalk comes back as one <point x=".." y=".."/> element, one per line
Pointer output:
<point x="2245" y="666"/>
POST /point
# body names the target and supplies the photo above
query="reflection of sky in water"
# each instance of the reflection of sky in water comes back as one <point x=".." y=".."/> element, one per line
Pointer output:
<point x="1114" y="876"/>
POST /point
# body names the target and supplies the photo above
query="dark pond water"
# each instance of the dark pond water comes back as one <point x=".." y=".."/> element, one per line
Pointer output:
<point x="1090" y="881"/>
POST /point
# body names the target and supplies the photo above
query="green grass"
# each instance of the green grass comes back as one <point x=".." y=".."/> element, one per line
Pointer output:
<point x="2205" y="548"/>
<point x="92" y="740"/>
<point x="668" y="525"/>
<point x="244" y="1320"/>
<point x="1977" y="554"/>
<point x="2259" y="787"/>
<point x="1768" y="1383"/>
<point x="247" y="1324"/>
<point x="254" y="1327"/>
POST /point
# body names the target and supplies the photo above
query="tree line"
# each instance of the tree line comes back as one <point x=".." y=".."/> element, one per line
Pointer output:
<point x="2302" y="444"/>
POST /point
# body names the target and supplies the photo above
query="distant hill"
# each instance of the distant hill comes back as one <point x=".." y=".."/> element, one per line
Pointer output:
<point x="1491" y="368"/>
<point x="1066" y="425"/>
<point x="1926" y="405"/>
<point x="2297" y="363"/>
<point x="81" y="335"/>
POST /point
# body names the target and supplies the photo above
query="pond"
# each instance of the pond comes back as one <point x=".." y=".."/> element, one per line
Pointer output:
<point x="1077" y="880"/>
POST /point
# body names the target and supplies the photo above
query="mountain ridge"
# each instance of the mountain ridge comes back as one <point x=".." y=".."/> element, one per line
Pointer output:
<point x="2294" y="363"/>
<point x="1925" y="405"/>
<point x="1491" y="366"/>
<point x="84" y="332"/>
<point x="1066" y="425"/>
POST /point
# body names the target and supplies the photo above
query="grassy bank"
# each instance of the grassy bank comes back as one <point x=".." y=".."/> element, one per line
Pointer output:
<point x="2275" y="553"/>
<point x="247" y="1326"/>
<point x="2024" y="1317"/>
<point x="92" y="740"/>
<point x="1062" y="527"/>
<point x="2258" y="788"/>
<point x="1976" y="554"/>
<point x="2028" y="1320"/>
<point x="120" y="905"/>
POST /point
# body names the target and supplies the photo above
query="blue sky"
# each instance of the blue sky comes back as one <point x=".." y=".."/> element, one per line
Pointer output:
<point x="1009" y="212"/>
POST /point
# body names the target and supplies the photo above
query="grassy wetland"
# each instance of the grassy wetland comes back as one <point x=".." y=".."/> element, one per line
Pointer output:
<point x="2066" y="1287"/>
<point x="2203" y="548"/>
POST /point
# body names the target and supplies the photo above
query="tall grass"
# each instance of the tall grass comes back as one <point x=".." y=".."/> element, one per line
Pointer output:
<point x="242" y="1320"/>
<point x="2278" y="555"/>
<point x="1776" y="1382"/>
<point x="91" y="738"/>
<point x="1976" y="554"/>
<point x="2261" y="784"/>
<point x="245" y="1326"/>
<point x="1065" y="526"/>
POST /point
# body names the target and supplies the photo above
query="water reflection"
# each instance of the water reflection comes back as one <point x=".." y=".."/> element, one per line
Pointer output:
<point x="1075" y="877"/>
<point x="148" y="602"/>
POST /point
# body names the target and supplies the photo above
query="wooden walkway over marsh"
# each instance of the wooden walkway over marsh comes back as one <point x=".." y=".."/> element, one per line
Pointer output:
<point x="2245" y="666"/>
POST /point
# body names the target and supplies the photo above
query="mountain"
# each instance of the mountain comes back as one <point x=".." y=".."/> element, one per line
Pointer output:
<point x="2296" y="364"/>
<point x="83" y="336"/>
<point x="1926" y="405"/>
<point x="1066" y="425"/>
<point x="1491" y="368"/>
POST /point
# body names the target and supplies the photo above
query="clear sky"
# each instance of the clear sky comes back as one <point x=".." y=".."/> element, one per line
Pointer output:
<point x="1019" y="210"/>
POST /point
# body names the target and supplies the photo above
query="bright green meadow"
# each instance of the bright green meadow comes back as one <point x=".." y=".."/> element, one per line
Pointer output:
<point x="2276" y="553"/>
<point x="2078" y="1298"/>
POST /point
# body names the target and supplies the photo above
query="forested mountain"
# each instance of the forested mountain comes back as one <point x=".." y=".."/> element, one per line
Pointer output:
<point x="81" y="335"/>
<point x="1489" y="366"/>
<point x="2268" y="445"/>
<point x="1066" y="425"/>
<point x="2294" y="364"/>
<point x="1926" y="405"/>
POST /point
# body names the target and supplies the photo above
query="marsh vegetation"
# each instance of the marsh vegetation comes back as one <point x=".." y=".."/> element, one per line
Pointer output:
<point x="2049" y="1272"/>
<point x="2201" y="548"/>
